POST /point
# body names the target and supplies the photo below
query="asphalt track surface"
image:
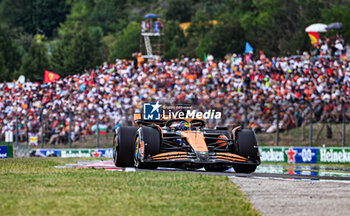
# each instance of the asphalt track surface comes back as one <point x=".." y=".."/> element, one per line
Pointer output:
<point x="295" y="197"/>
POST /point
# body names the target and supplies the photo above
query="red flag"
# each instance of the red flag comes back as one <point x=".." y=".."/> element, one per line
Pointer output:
<point x="314" y="37"/>
<point x="50" y="77"/>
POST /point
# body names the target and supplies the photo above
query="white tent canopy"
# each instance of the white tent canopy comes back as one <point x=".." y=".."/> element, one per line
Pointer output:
<point x="317" y="27"/>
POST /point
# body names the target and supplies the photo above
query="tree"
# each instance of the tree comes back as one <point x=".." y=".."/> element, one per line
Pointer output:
<point x="34" y="62"/>
<point x="277" y="26"/>
<point x="127" y="42"/>
<point x="338" y="13"/>
<point x="176" y="40"/>
<point x="200" y="26"/>
<point x="75" y="53"/>
<point x="180" y="10"/>
<point x="10" y="58"/>
<point x="225" y="37"/>
<point x="34" y="15"/>
<point x="104" y="16"/>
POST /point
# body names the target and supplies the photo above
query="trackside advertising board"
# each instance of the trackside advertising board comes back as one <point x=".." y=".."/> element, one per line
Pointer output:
<point x="268" y="154"/>
<point x="68" y="153"/>
<point x="289" y="154"/>
<point x="334" y="155"/>
<point x="305" y="154"/>
<point x="6" y="151"/>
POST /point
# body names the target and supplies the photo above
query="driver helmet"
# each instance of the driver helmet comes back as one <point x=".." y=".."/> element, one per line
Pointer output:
<point x="183" y="125"/>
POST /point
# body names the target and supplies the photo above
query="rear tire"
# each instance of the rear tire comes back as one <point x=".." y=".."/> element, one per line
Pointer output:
<point x="123" y="146"/>
<point x="248" y="148"/>
<point x="152" y="141"/>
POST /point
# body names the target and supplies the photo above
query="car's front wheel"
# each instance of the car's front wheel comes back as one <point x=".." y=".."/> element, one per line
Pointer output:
<point x="147" y="144"/>
<point x="123" y="146"/>
<point x="248" y="148"/>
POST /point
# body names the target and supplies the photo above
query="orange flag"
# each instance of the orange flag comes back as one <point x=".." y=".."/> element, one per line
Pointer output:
<point x="50" y="77"/>
<point x="314" y="37"/>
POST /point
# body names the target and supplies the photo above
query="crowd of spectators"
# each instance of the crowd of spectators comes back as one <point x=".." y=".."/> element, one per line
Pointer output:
<point x="239" y="86"/>
<point x="330" y="46"/>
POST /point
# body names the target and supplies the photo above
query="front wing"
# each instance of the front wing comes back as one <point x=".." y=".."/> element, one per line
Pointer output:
<point x="192" y="158"/>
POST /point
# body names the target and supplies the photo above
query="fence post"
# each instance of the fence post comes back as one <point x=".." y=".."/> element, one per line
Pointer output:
<point x="278" y="124"/>
<point x="310" y="132"/>
<point x="344" y="125"/>
<point x="98" y="129"/>
<point x="42" y="126"/>
<point x="16" y="136"/>
<point x="70" y="130"/>
<point x="27" y="134"/>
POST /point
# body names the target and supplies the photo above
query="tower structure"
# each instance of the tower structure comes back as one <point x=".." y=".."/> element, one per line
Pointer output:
<point x="153" y="37"/>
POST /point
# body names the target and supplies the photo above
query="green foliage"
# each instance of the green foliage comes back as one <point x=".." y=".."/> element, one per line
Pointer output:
<point x="276" y="26"/>
<point x="107" y="15"/>
<point x="9" y="56"/>
<point x="4" y="72"/>
<point x="180" y="10"/>
<point x="339" y="13"/>
<point x="176" y="40"/>
<point x="34" y="62"/>
<point x="107" y="42"/>
<point x="198" y="29"/>
<point x="53" y="191"/>
<point x="75" y="53"/>
<point x="225" y="37"/>
<point x="34" y="15"/>
<point x="127" y="42"/>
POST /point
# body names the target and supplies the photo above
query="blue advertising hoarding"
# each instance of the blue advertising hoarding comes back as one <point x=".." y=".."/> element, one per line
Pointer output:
<point x="3" y="152"/>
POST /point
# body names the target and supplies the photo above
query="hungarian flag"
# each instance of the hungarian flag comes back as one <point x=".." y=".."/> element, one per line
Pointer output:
<point x="103" y="129"/>
<point x="50" y="77"/>
<point x="314" y="37"/>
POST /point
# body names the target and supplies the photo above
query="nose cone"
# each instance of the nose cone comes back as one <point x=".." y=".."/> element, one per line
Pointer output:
<point x="202" y="155"/>
<point x="197" y="142"/>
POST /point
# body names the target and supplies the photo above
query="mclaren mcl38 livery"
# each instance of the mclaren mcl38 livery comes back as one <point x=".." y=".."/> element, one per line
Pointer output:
<point x="184" y="143"/>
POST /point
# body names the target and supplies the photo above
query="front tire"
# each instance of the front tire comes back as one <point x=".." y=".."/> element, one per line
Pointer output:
<point x="248" y="148"/>
<point x="123" y="146"/>
<point x="147" y="144"/>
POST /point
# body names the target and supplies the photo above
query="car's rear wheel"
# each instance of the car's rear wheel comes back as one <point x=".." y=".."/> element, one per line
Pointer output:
<point x="123" y="146"/>
<point x="147" y="144"/>
<point x="248" y="148"/>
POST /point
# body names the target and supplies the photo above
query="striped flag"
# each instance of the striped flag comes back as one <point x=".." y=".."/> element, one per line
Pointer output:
<point x="103" y="129"/>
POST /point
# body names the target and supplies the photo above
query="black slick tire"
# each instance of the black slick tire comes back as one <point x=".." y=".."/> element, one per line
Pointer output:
<point x="123" y="146"/>
<point x="248" y="148"/>
<point x="152" y="141"/>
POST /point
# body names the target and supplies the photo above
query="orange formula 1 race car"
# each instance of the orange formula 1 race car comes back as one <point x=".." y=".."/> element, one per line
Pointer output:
<point x="184" y="143"/>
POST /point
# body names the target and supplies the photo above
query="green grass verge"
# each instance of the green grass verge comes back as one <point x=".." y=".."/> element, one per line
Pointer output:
<point x="35" y="187"/>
